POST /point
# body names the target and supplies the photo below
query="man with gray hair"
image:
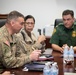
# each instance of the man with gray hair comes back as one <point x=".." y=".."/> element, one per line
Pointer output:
<point x="12" y="55"/>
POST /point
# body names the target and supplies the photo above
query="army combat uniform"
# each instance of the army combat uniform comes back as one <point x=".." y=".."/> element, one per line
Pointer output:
<point x="62" y="35"/>
<point x="11" y="50"/>
<point x="30" y="42"/>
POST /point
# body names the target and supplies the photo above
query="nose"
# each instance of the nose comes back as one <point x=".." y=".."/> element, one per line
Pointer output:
<point x="65" y="22"/>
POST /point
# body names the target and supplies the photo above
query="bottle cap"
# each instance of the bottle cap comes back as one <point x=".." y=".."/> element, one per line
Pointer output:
<point x="66" y="46"/>
<point x="46" y="64"/>
<point x="55" y="63"/>
<point x="71" y="46"/>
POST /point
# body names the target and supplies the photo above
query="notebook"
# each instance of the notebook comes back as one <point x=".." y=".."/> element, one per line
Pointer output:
<point x="35" y="66"/>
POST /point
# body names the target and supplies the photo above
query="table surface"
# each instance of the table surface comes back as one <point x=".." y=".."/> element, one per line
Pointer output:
<point x="57" y="58"/>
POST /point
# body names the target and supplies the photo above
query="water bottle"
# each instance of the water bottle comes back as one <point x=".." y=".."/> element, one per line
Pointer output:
<point x="70" y="61"/>
<point x="65" y="55"/>
<point x="46" y="70"/>
<point x="54" y="69"/>
<point x="71" y="54"/>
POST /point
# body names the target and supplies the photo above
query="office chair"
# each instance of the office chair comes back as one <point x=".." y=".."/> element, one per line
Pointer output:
<point x="57" y="21"/>
<point x="2" y="22"/>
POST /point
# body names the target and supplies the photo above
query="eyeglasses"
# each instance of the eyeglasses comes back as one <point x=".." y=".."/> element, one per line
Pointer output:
<point x="29" y="23"/>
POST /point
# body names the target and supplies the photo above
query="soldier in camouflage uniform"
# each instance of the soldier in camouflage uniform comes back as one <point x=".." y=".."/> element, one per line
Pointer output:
<point x="13" y="53"/>
<point x="29" y="37"/>
<point x="65" y="33"/>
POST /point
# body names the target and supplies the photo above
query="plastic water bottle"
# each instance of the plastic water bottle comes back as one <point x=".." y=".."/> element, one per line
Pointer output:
<point x="71" y="54"/>
<point x="66" y="55"/>
<point x="54" y="69"/>
<point x="46" y="70"/>
<point x="70" y="61"/>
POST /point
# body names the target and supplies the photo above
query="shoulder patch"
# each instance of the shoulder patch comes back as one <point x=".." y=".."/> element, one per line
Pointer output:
<point x="54" y="30"/>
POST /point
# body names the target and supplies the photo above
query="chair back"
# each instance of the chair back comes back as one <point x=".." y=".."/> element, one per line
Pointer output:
<point x="57" y="21"/>
<point x="2" y="22"/>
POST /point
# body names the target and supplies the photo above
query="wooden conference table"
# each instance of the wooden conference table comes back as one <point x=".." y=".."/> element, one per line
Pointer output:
<point x="57" y="58"/>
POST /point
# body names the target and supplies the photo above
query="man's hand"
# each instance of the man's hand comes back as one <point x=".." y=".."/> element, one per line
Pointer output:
<point x="64" y="46"/>
<point x="35" y="55"/>
<point x="41" y="38"/>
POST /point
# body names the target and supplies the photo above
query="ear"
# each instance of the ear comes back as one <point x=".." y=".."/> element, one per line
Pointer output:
<point x="12" y="23"/>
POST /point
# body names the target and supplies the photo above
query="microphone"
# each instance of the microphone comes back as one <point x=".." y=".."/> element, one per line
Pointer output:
<point x="43" y="42"/>
<point x="43" y="31"/>
<point x="39" y="30"/>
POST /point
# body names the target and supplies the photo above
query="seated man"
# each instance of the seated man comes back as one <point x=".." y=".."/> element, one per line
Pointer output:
<point x="64" y="33"/>
<point x="29" y="37"/>
<point x="13" y="54"/>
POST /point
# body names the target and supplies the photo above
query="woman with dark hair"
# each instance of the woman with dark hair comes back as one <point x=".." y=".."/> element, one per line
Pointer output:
<point x="29" y="37"/>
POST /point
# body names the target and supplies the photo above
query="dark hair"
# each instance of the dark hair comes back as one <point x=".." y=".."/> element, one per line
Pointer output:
<point x="29" y="16"/>
<point x="67" y="12"/>
<point x="14" y="15"/>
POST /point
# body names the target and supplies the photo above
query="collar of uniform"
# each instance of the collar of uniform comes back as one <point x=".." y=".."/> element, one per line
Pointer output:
<point x="72" y="28"/>
<point x="27" y="38"/>
<point x="12" y="40"/>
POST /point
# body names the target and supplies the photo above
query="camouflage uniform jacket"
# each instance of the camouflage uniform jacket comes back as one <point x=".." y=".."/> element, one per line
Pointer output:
<point x="30" y="42"/>
<point x="11" y="50"/>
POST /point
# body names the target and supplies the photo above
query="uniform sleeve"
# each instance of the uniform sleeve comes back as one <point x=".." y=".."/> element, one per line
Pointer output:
<point x="11" y="59"/>
<point x="37" y="45"/>
<point x="55" y="37"/>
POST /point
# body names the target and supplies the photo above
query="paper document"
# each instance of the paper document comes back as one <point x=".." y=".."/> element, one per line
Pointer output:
<point x="69" y="73"/>
<point x="48" y="51"/>
<point x="49" y="30"/>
